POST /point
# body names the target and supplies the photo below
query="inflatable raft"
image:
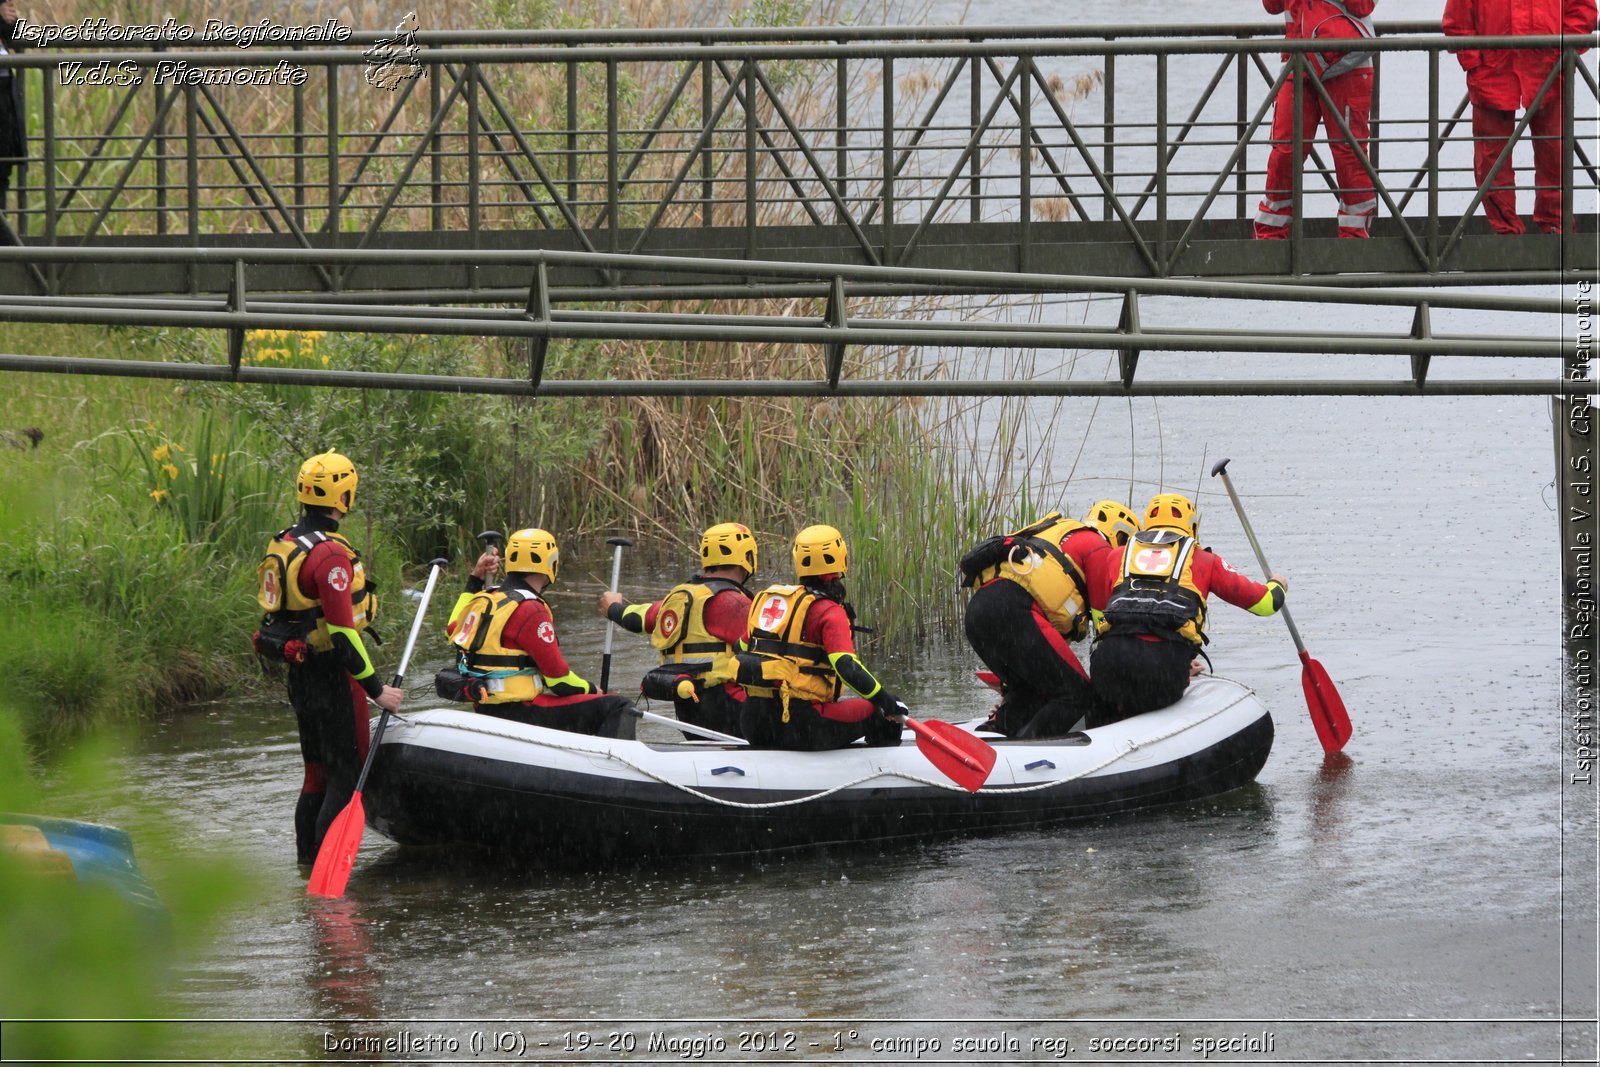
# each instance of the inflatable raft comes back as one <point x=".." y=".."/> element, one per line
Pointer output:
<point x="449" y="776"/>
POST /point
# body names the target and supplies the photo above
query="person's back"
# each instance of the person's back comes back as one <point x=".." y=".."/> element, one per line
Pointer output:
<point x="1153" y="595"/>
<point x="1030" y="602"/>
<point x="509" y="657"/>
<point x="697" y="627"/>
<point x="801" y="654"/>
<point x="1502" y="81"/>
<point x="312" y="587"/>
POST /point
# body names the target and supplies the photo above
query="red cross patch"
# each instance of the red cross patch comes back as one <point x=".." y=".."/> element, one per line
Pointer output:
<point x="668" y="623"/>
<point x="547" y="632"/>
<point x="773" y="611"/>
<point x="1153" y="560"/>
<point x="339" y="578"/>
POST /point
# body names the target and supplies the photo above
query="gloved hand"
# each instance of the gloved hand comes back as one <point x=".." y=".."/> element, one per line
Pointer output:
<point x="890" y="706"/>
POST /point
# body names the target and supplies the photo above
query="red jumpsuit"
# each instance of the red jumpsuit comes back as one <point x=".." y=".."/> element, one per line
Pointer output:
<point x="1501" y="82"/>
<point x="1046" y="688"/>
<point x="813" y="727"/>
<point x="568" y="702"/>
<point x="330" y="705"/>
<point x="727" y="618"/>
<point x="1351" y="93"/>
<point x="1141" y="672"/>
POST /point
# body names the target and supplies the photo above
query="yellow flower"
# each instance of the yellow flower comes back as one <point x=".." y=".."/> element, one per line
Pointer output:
<point x="161" y="453"/>
<point x="170" y="469"/>
<point x="158" y="495"/>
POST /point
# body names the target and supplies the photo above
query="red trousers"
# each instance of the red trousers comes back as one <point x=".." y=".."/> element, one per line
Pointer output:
<point x="1491" y="129"/>
<point x="1352" y="95"/>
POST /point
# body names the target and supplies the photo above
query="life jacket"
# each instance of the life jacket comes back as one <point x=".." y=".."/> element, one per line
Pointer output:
<point x="1033" y="559"/>
<point x="776" y="661"/>
<point x="1155" y="593"/>
<point x="680" y="633"/>
<point x="290" y="614"/>
<point x="498" y="674"/>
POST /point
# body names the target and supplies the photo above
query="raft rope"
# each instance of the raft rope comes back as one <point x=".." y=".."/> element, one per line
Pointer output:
<point x="1122" y="751"/>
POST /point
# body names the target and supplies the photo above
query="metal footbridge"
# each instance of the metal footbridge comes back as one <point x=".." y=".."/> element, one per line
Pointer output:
<point x="831" y="189"/>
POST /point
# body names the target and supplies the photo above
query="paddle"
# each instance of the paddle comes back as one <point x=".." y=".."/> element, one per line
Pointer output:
<point x="337" y="855"/>
<point x="966" y="759"/>
<point x="1332" y="722"/>
<point x="618" y="543"/>
<point x="688" y="727"/>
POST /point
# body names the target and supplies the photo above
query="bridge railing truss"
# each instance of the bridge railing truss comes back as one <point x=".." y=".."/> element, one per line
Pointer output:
<point x="897" y="148"/>
<point x="900" y="348"/>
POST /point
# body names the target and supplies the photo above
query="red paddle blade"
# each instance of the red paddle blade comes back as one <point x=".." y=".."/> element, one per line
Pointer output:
<point x="1327" y="708"/>
<point x="331" y="872"/>
<point x="964" y="758"/>
<point x="989" y="678"/>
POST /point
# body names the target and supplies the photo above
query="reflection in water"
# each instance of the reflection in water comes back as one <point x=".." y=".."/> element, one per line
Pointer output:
<point x="343" y="981"/>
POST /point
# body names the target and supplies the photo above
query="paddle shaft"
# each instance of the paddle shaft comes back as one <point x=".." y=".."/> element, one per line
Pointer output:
<point x="1328" y="714"/>
<point x="617" y="544"/>
<point x="1261" y="557"/>
<point x="689" y="727"/>
<point x="400" y="675"/>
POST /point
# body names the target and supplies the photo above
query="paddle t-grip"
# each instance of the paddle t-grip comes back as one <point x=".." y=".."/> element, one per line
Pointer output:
<point x="491" y="537"/>
<point x="1219" y="467"/>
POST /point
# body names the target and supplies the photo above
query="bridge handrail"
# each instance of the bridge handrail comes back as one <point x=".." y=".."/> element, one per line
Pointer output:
<point x="758" y="34"/>
<point x="757" y="52"/>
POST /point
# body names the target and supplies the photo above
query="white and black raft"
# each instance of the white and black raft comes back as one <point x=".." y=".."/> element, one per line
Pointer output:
<point x="456" y="777"/>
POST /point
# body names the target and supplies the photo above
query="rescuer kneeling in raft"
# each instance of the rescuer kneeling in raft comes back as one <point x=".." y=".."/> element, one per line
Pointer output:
<point x="801" y="654"/>
<point x="1030" y="601"/>
<point x="508" y="663"/>
<point x="698" y="627"/>
<point x="1153" y="593"/>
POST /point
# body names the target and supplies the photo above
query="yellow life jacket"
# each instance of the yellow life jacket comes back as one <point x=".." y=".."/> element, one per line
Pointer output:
<point x="776" y="661"/>
<point x="1056" y="583"/>
<point x="1155" y="592"/>
<point x="291" y="613"/>
<point x="680" y="633"/>
<point x="505" y="675"/>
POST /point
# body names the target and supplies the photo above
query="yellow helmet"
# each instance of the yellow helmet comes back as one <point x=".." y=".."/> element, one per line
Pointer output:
<point x="1114" y="520"/>
<point x="820" y="550"/>
<point x="728" y="544"/>
<point x="533" y="551"/>
<point x="1171" y="511"/>
<point x="327" y="480"/>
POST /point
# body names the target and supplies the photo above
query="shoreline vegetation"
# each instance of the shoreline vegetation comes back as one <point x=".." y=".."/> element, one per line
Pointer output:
<point x="131" y="530"/>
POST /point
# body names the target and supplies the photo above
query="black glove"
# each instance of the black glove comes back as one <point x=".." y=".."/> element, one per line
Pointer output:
<point x="890" y="705"/>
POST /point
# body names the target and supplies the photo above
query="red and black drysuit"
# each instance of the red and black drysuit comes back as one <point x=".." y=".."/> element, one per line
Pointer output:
<point x="727" y="618"/>
<point x="812" y="726"/>
<point x="330" y="704"/>
<point x="1500" y="82"/>
<point x="1138" y="668"/>
<point x="1046" y="690"/>
<point x="568" y="702"/>
<point x="1347" y="77"/>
